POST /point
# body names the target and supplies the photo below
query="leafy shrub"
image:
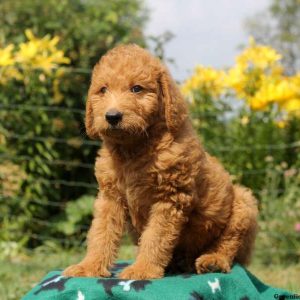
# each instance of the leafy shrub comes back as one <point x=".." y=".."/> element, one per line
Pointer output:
<point x="86" y="28"/>
<point x="265" y="120"/>
<point x="278" y="240"/>
<point x="248" y="115"/>
<point x="42" y="145"/>
<point x="28" y="73"/>
<point x="76" y="217"/>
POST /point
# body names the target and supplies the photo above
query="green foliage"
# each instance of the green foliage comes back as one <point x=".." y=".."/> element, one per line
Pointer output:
<point x="46" y="146"/>
<point x="247" y="116"/>
<point x="242" y="138"/>
<point x="260" y="155"/>
<point x="76" y="217"/>
<point x="86" y="28"/>
<point x="279" y="237"/>
<point x="209" y="118"/>
<point x="44" y="160"/>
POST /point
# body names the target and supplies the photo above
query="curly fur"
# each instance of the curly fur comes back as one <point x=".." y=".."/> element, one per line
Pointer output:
<point x="157" y="180"/>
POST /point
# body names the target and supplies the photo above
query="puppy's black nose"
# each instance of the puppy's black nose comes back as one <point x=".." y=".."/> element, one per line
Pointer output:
<point x="113" y="117"/>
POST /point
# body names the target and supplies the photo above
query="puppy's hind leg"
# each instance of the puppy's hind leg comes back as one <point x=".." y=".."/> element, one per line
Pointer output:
<point x="237" y="240"/>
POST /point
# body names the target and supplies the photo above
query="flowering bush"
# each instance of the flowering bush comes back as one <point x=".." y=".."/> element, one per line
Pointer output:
<point x="41" y="54"/>
<point x="248" y="115"/>
<point x="257" y="78"/>
<point x="34" y="53"/>
<point x="30" y="76"/>
<point x="247" y="105"/>
<point x="45" y="162"/>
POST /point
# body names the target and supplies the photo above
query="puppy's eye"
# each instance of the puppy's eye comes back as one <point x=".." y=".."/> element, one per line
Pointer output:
<point x="103" y="90"/>
<point x="136" y="89"/>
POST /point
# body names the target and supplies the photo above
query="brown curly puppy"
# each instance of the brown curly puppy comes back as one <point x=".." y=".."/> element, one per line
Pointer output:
<point x="155" y="176"/>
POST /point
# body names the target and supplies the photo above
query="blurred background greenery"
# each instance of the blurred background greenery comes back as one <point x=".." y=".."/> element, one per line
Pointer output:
<point x="247" y="115"/>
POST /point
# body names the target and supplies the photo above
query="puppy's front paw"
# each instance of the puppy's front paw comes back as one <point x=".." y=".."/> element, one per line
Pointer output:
<point x="84" y="270"/>
<point x="210" y="263"/>
<point x="139" y="272"/>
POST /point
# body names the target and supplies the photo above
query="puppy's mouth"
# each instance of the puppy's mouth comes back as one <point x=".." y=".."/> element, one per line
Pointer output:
<point x="120" y="132"/>
<point x="114" y="130"/>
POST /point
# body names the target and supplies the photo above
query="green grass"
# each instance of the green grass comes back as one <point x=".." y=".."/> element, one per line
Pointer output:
<point x="285" y="277"/>
<point x="18" y="276"/>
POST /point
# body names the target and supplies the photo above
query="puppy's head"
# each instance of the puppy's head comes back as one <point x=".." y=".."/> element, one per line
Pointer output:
<point x="130" y="91"/>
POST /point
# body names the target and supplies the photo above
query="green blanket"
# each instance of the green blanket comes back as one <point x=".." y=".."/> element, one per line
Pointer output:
<point x="239" y="284"/>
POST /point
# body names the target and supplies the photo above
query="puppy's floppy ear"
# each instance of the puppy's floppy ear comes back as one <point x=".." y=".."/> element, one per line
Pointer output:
<point x="89" y="120"/>
<point x="89" y="117"/>
<point x="175" y="108"/>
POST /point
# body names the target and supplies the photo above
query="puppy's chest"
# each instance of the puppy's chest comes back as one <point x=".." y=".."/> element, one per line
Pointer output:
<point x="139" y="191"/>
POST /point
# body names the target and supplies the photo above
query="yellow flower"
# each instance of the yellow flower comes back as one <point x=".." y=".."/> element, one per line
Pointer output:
<point x="27" y="53"/>
<point x="206" y="79"/>
<point x="281" y="123"/>
<point x="257" y="78"/>
<point x="277" y="91"/>
<point x="252" y="66"/>
<point x="258" y="56"/>
<point x="237" y="80"/>
<point x="291" y="105"/>
<point x="296" y="81"/>
<point x="6" y="56"/>
<point x="244" y="120"/>
<point x="29" y="34"/>
<point x="258" y="102"/>
<point x="284" y="90"/>
<point x="36" y="52"/>
<point x="7" y="68"/>
<point x="274" y="90"/>
<point x="40" y="53"/>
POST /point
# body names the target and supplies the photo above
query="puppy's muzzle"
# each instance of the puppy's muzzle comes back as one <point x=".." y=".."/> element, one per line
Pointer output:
<point x="113" y="117"/>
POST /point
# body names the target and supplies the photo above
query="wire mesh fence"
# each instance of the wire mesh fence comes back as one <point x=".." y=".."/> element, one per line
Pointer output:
<point x="47" y="182"/>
